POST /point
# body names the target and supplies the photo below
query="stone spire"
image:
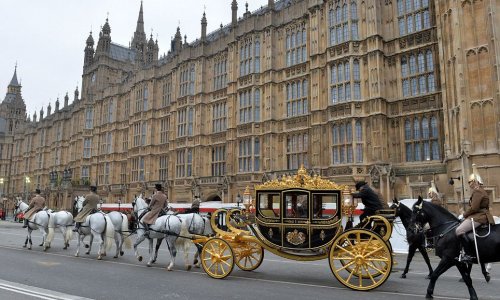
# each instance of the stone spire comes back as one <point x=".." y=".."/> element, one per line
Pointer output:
<point x="34" y="117"/>
<point x="49" y="109"/>
<point x="139" y="40"/>
<point x="14" y="86"/>
<point x="203" y="28"/>
<point x="66" y="99"/>
<point x="41" y="113"/>
<point x="234" y="10"/>
<point x="104" y="43"/>
<point x="57" y="105"/>
<point x="176" y="44"/>
<point x="89" y="51"/>
<point x="77" y="93"/>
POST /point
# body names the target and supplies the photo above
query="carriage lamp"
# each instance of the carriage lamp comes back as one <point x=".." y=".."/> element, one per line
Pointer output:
<point x="247" y="199"/>
<point x="350" y="203"/>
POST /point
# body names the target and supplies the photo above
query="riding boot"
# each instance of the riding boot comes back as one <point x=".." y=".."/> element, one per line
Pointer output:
<point x="77" y="227"/>
<point x="464" y="256"/>
<point x="25" y="223"/>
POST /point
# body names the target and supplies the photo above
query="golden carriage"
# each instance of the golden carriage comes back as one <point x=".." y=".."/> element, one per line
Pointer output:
<point x="300" y="217"/>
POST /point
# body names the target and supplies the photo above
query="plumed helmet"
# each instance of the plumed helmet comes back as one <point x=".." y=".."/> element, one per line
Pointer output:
<point x="433" y="189"/>
<point x="93" y="188"/>
<point x="158" y="187"/>
<point x="475" y="175"/>
<point x="37" y="191"/>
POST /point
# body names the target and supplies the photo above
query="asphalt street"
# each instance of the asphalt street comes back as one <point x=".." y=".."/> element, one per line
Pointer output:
<point x="58" y="274"/>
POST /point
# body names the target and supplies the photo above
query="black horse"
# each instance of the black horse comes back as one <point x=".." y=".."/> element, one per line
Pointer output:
<point x="447" y="245"/>
<point x="416" y="240"/>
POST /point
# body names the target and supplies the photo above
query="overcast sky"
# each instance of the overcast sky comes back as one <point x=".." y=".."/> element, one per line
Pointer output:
<point x="46" y="38"/>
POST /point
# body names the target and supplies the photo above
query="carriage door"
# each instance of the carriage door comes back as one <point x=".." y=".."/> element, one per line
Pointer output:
<point x="296" y="216"/>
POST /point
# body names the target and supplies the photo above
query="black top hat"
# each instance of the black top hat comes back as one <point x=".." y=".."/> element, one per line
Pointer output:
<point x="158" y="187"/>
<point x="93" y="188"/>
<point x="37" y="191"/>
<point x="359" y="184"/>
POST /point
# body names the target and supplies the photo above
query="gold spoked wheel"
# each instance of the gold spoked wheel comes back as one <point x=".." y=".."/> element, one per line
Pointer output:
<point x="217" y="258"/>
<point x="248" y="255"/>
<point x="360" y="259"/>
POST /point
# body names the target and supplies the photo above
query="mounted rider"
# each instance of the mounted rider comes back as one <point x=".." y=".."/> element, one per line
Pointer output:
<point x="479" y="211"/>
<point x="195" y="206"/>
<point x="36" y="205"/>
<point x="89" y="206"/>
<point x="158" y="202"/>
<point x="433" y="194"/>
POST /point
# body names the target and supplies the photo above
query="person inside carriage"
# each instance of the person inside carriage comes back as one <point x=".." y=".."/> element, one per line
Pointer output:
<point x="479" y="205"/>
<point x="36" y="205"/>
<point x="370" y="200"/>
<point x="89" y="207"/>
<point x="158" y="202"/>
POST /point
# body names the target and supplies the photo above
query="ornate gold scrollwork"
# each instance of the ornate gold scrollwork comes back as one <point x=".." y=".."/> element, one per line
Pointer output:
<point x="301" y="180"/>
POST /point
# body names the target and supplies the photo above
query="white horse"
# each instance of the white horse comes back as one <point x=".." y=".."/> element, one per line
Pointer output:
<point x="169" y="227"/>
<point x="64" y="221"/>
<point x="98" y="226"/>
<point x="39" y="220"/>
<point x="122" y="234"/>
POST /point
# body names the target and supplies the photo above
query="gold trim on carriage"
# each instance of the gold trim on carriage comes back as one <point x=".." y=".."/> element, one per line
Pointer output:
<point x="299" y="217"/>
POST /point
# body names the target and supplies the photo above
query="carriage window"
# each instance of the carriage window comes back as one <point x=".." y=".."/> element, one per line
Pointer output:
<point x="324" y="206"/>
<point x="297" y="205"/>
<point x="269" y="205"/>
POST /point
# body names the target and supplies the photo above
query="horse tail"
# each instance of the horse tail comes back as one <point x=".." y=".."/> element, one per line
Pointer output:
<point x="109" y="233"/>
<point x="51" y="225"/>
<point x="127" y="242"/>
<point x="69" y="234"/>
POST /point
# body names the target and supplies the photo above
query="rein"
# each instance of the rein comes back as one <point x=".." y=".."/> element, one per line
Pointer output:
<point x="446" y="231"/>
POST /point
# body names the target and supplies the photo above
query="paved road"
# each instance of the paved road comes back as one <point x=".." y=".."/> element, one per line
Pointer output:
<point x="57" y="274"/>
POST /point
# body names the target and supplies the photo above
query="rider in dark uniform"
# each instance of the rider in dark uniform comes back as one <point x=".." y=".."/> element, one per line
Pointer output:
<point x="369" y="198"/>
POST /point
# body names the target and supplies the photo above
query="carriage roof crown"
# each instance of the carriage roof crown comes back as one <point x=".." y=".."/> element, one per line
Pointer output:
<point x="301" y="180"/>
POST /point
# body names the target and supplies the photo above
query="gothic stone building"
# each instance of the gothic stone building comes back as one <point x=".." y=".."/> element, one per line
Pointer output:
<point x="397" y="93"/>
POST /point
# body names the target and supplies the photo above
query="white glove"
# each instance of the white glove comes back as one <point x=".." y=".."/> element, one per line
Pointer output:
<point x="461" y="217"/>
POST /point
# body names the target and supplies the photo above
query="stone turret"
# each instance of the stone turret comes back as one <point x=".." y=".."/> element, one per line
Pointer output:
<point x="89" y="51"/>
<point x="203" y="28"/>
<point x="66" y="99"/>
<point x="234" y="13"/>
<point x="57" y="105"/>
<point x="104" y="43"/>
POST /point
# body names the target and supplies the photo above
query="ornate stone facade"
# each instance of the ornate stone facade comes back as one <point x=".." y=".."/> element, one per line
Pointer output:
<point x="397" y="93"/>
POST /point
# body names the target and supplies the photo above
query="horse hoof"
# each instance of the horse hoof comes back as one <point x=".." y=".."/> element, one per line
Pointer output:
<point x="24" y="246"/>
<point x="197" y="266"/>
<point x="188" y="268"/>
<point x="87" y="253"/>
<point x="487" y="277"/>
<point x="99" y="258"/>
<point x="76" y="255"/>
<point x="428" y="296"/>
<point x="140" y="258"/>
<point x="65" y="248"/>
<point x="41" y="245"/>
<point x="169" y="269"/>
<point x="87" y="246"/>
<point x="403" y="275"/>
<point x="149" y="265"/>
<point x="428" y="276"/>
<point x="116" y="256"/>
<point x="121" y="253"/>
<point x="45" y="249"/>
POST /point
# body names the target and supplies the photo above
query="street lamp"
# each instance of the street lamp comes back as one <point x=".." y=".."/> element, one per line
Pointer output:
<point x="452" y="182"/>
<point x="27" y="180"/>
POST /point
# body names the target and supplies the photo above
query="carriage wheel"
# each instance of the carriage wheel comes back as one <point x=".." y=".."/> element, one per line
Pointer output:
<point x="217" y="258"/>
<point x="360" y="259"/>
<point x="248" y="255"/>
